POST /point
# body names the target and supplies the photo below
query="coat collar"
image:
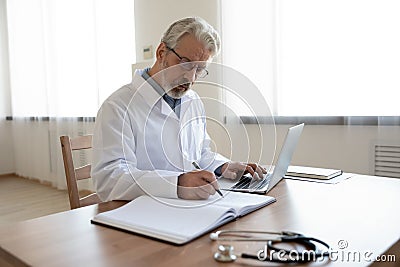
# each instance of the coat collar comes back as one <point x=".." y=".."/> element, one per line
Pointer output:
<point x="154" y="99"/>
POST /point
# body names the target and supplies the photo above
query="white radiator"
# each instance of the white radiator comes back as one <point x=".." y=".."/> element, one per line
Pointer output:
<point x="387" y="160"/>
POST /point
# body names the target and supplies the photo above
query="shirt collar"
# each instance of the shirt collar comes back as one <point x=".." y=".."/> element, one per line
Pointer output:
<point x="152" y="82"/>
<point x="172" y="102"/>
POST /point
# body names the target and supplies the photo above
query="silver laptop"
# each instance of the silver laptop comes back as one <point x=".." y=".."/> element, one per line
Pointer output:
<point x="249" y="185"/>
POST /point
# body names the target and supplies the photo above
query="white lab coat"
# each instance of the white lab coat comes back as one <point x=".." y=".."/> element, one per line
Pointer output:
<point x="141" y="146"/>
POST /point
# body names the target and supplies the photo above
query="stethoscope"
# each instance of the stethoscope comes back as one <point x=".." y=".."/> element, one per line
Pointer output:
<point x="225" y="252"/>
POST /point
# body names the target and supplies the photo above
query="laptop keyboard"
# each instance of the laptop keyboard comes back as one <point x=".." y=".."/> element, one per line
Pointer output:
<point x="245" y="182"/>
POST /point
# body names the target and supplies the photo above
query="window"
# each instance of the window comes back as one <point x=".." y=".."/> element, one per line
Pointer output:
<point x="317" y="58"/>
<point x="67" y="56"/>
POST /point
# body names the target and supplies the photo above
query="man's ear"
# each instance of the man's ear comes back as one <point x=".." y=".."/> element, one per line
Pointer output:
<point x="161" y="51"/>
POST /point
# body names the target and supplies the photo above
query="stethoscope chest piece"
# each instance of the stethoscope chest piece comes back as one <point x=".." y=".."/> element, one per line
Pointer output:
<point x="225" y="254"/>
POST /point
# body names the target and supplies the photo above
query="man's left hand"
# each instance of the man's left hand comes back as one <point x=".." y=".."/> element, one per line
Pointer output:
<point x="233" y="170"/>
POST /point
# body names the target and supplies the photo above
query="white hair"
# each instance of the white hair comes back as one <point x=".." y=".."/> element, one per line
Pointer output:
<point x="196" y="26"/>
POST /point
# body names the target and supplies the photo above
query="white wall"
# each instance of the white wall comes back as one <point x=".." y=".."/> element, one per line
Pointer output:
<point x="6" y="142"/>
<point x="152" y="18"/>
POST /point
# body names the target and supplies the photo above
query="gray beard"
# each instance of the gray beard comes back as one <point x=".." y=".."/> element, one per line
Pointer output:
<point x="172" y="89"/>
<point x="176" y="93"/>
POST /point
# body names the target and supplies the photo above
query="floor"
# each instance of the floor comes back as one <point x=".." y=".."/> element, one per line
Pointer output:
<point x="23" y="199"/>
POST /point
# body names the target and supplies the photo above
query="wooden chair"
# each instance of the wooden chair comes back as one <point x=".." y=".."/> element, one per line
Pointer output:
<point x="74" y="174"/>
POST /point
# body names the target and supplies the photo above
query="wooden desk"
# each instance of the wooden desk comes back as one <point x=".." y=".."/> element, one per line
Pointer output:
<point x="363" y="211"/>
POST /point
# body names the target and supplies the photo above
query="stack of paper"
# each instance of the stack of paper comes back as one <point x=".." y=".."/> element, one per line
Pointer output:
<point x="312" y="172"/>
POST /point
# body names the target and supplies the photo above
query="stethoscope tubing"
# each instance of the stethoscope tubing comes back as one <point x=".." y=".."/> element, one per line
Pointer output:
<point x="282" y="237"/>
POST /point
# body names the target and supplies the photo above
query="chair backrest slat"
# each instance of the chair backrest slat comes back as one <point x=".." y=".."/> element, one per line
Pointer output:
<point x="81" y="142"/>
<point x="83" y="172"/>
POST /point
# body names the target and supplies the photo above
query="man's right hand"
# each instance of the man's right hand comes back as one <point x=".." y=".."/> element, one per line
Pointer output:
<point x="197" y="184"/>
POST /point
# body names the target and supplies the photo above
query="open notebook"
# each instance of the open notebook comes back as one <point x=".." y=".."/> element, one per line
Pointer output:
<point x="179" y="221"/>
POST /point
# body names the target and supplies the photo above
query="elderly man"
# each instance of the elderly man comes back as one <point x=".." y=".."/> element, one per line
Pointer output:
<point x="150" y="133"/>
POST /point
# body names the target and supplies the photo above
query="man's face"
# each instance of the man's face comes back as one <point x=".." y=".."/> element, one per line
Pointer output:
<point x="176" y="78"/>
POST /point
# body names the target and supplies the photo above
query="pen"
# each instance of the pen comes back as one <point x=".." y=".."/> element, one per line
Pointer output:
<point x="194" y="163"/>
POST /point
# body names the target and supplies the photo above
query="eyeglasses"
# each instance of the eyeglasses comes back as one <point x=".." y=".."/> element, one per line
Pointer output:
<point x="186" y="64"/>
